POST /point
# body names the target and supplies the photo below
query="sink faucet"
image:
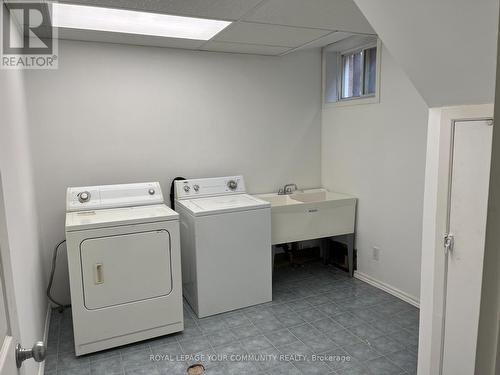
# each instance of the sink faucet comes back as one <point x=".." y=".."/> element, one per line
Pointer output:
<point x="287" y="189"/>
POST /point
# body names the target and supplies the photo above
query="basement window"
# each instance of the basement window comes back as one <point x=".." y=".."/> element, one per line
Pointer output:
<point x="351" y="74"/>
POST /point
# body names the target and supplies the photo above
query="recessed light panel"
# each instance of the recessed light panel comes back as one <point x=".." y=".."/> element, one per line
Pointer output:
<point x="134" y="22"/>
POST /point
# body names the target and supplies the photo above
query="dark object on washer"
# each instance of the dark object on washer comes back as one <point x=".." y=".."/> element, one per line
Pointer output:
<point x="172" y="194"/>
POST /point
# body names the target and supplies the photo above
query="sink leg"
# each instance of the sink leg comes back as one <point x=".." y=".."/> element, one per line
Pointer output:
<point x="324" y="245"/>
<point x="350" y="252"/>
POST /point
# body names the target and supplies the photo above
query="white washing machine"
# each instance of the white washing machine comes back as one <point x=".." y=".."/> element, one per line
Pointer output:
<point x="124" y="265"/>
<point x="225" y="245"/>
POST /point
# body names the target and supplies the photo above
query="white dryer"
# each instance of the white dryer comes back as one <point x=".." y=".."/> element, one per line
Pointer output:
<point x="124" y="265"/>
<point x="225" y="245"/>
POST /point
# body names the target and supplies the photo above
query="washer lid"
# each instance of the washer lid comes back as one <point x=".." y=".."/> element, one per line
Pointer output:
<point x="224" y="203"/>
<point x="92" y="219"/>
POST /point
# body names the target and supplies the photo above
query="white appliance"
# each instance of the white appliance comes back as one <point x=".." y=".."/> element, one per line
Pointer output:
<point x="124" y="265"/>
<point x="225" y="245"/>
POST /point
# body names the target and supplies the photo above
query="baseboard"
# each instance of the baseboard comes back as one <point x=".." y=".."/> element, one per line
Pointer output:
<point x="41" y="367"/>
<point x="387" y="288"/>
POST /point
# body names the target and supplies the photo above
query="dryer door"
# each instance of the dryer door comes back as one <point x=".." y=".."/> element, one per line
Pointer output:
<point x="125" y="268"/>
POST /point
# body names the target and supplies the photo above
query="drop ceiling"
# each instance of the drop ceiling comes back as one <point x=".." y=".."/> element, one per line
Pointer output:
<point x="264" y="27"/>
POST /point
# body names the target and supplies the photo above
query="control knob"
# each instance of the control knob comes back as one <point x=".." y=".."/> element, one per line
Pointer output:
<point x="232" y="184"/>
<point x="196" y="187"/>
<point x="187" y="188"/>
<point x="84" y="196"/>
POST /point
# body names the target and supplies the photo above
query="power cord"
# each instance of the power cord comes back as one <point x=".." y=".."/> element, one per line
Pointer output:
<point x="61" y="307"/>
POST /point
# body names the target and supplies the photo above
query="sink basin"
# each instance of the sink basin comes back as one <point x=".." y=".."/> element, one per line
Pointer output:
<point x="278" y="200"/>
<point x="319" y="196"/>
<point x="310" y="214"/>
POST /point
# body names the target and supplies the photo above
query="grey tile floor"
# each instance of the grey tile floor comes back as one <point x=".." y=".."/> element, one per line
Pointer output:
<point x="319" y="322"/>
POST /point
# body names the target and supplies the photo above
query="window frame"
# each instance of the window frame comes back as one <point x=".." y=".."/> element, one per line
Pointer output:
<point x="355" y="100"/>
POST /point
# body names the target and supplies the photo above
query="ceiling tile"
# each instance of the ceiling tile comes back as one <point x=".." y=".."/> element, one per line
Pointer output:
<point x="325" y="40"/>
<point x="353" y="41"/>
<point x="134" y="39"/>
<point x="219" y="9"/>
<point x="244" y="48"/>
<point x="342" y="15"/>
<point x="271" y="35"/>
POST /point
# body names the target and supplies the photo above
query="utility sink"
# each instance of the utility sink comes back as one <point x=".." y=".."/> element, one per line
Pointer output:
<point x="310" y="214"/>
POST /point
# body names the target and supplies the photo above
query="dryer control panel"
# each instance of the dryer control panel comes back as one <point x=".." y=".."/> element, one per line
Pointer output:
<point x="113" y="196"/>
<point x="209" y="187"/>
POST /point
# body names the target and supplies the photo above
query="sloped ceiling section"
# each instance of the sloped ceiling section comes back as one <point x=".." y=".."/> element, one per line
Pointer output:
<point x="447" y="47"/>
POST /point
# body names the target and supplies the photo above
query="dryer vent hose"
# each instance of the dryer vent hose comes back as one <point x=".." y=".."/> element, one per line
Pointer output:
<point x="61" y="307"/>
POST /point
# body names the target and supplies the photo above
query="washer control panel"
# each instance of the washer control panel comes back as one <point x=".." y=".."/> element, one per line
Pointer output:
<point x="207" y="187"/>
<point x="113" y="196"/>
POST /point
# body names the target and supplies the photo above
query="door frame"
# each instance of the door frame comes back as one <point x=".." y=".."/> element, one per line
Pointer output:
<point x="435" y="222"/>
<point x="7" y="277"/>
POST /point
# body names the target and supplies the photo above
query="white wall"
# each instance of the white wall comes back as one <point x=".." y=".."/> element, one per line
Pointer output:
<point x="116" y="114"/>
<point x="21" y="214"/>
<point x="377" y="153"/>
<point x="447" y="47"/>
<point x="488" y="346"/>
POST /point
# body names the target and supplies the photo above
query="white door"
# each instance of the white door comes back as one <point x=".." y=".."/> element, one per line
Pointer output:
<point x="468" y="206"/>
<point x="8" y="320"/>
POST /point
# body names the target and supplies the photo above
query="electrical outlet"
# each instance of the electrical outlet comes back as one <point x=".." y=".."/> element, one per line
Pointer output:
<point x="376" y="253"/>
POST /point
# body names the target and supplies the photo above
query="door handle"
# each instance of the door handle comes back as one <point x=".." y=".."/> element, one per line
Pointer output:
<point x="38" y="352"/>
<point x="449" y="242"/>
<point x="99" y="274"/>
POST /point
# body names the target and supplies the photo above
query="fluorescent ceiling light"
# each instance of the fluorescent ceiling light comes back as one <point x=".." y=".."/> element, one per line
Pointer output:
<point x="134" y="22"/>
